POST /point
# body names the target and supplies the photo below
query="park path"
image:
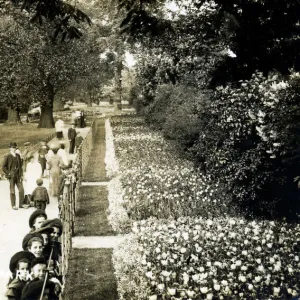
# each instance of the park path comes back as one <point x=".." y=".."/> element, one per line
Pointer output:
<point x="91" y="273"/>
<point x="14" y="223"/>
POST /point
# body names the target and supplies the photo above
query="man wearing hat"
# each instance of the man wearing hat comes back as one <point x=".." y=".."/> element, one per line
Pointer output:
<point x="12" y="168"/>
<point x="72" y="136"/>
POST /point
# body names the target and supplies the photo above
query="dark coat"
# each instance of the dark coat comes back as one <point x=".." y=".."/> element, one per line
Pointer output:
<point x="40" y="194"/>
<point x="71" y="134"/>
<point x="8" y="164"/>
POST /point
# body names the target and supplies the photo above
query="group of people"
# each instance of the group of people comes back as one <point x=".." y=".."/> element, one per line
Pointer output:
<point x="33" y="167"/>
<point x="35" y="272"/>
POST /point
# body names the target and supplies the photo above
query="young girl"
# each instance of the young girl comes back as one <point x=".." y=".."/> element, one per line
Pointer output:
<point x="19" y="266"/>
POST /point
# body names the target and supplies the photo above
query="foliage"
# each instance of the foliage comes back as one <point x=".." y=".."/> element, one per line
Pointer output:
<point x="197" y="258"/>
<point x="249" y="140"/>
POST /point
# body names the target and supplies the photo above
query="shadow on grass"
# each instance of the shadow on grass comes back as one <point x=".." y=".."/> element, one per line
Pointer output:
<point x="91" y="276"/>
<point x="91" y="216"/>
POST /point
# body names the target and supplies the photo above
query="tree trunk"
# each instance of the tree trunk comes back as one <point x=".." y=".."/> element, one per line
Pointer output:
<point x="13" y="116"/>
<point x="46" y="119"/>
<point x="89" y="99"/>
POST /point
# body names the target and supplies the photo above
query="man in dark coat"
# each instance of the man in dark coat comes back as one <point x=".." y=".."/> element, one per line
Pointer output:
<point x="12" y="168"/>
<point x="71" y="136"/>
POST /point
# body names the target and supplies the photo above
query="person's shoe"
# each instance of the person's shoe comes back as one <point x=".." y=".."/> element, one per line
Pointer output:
<point x="25" y="206"/>
<point x="15" y="208"/>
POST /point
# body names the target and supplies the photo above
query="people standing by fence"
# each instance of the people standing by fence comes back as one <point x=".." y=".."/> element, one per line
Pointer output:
<point x="42" y="152"/>
<point x="72" y="137"/>
<point x="33" y="172"/>
<point x="12" y="168"/>
<point x="55" y="164"/>
<point x="59" y="126"/>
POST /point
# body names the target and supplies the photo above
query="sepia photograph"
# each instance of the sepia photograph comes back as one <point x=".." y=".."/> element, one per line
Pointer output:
<point x="149" y="150"/>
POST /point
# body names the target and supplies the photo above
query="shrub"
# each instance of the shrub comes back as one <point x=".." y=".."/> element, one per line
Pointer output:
<point x="248" y="138"/>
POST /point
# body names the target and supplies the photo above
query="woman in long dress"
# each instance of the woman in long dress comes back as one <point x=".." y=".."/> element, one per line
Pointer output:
<point x="33" y="172"/>
<point x="55" y="164"/>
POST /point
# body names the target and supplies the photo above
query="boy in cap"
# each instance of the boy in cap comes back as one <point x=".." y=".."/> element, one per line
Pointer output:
<point x="20" y="267"/>
<point x="40" y="195"/>
<point x="12" y="168"/>
<point x="36" y="219"/>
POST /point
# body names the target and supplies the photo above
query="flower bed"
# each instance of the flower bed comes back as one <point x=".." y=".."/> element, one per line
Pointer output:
<point x="197" y="258"/>
<point x="156" y="180"/>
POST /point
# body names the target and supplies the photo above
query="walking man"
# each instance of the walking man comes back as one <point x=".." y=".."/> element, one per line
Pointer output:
<point x="12" y="168"/>
<point x="71" y="136"/>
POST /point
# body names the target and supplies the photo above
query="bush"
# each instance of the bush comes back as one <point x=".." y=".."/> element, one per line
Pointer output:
<point x="249" y="139"/>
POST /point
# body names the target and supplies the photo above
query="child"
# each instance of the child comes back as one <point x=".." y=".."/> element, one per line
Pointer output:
<point x="56" y="224"/>
<point x="45" y="232"/>
<point x="40" y="195"/>
<point x="33" y="289"/>
<point x="19" y="266"/>
<point x="34" y="243"/>
<point x="37" y="218"/>
<point x="38" y="268"/>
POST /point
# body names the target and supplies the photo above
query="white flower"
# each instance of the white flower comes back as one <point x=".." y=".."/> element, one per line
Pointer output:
<point x="191" y="294"/>
<point x="208" y="264"/>
<point x="153" y="297"/>
<point x="217" y="287"/>
<point x="161" y="286"/>
<point x="244" y="268"/>
<point x="276" y="291"/>
<point x="209" y="222"/>
<point x="272" y="260"/>
<point x="269" y="245"/>
<point x="296" y="258"/>
<point x="164" y="262"/>
<point x="233" y="267"/>
<point x="209" y="296"/>
<point x="258" y="260"/>
<point x="224" y="282"/>
<point x="232" y="222"/>
<point x="250" y="287"/>
<point x="165" y="273"/>
<point x="157" y="250"/>
<point x="182" y="250"/>
<point x="149" y="274"/>
<point x="171" y="292"/>
<point x="290" y="270"/>
<point x="260" y="268"/>
<point x="245" y="252"/>
<point x="238" y="263"/>
<point x="195" y="277"/>
<point x="243" y="278"/>
<point x="258" y="248"/>
<point x="204" y="290"/>
<point x="257" y="278"/>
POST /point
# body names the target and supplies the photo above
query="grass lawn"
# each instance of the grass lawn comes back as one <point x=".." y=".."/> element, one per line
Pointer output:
<point x="91" y="275"/>
<point x="28" y="132"/>
<point x="95" y="170"/>
<point x="91" y="216"/>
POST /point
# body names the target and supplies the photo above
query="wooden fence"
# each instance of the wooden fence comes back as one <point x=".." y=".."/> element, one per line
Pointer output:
<point x="69" y="196"/>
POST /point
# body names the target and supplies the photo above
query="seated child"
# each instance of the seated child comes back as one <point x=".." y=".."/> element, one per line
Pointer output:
<point x="19" y="266"/>
<point x="40" y="195"/>
<point x="45" y="232"/>
<point x="34" y="243"/>
<point x="33" y="289"/>
<point x="36" y="219"/>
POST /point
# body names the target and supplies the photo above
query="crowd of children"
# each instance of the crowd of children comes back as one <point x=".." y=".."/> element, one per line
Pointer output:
<point x="36" y="269"/>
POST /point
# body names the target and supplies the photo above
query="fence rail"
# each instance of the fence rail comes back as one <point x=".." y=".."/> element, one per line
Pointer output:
<point x="69" y="196"/>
